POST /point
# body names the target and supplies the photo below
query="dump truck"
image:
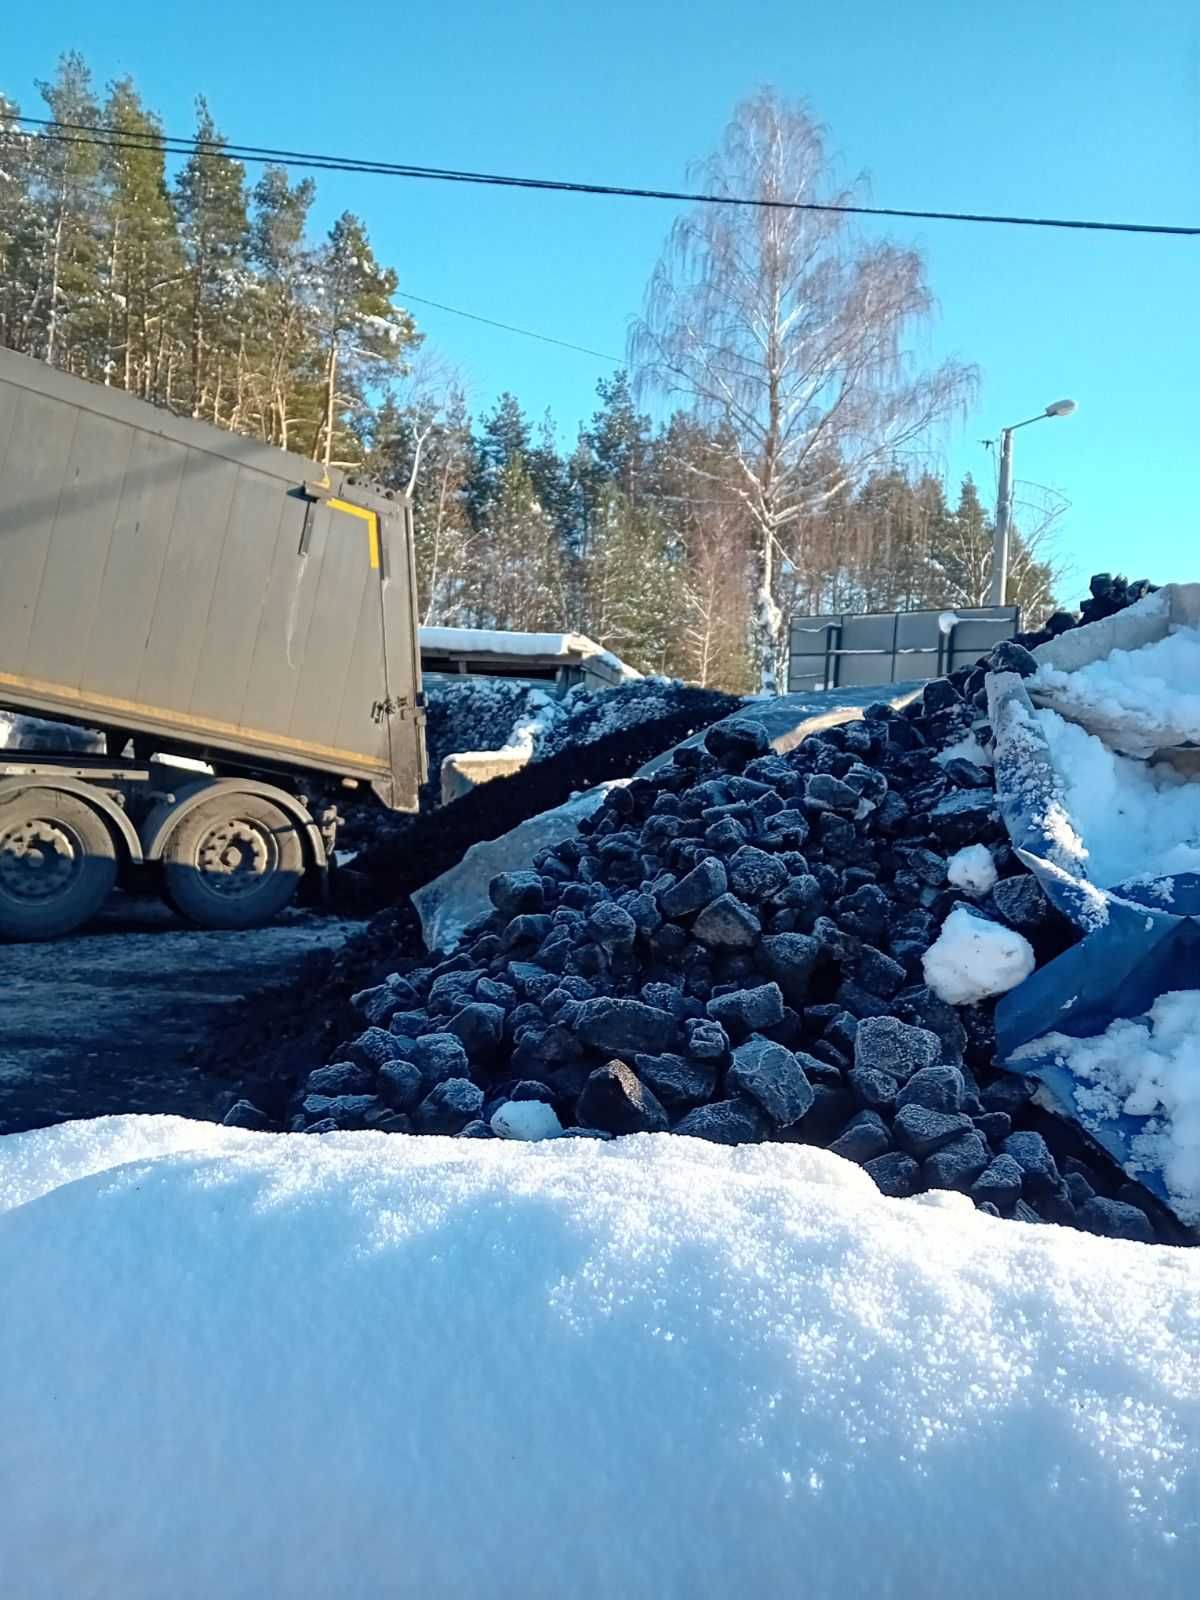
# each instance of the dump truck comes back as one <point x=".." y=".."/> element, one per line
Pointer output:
<point x="238" y="623"/>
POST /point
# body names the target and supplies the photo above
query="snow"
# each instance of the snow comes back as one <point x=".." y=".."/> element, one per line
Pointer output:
<point x="972" y="959"/>
<point x="36" y="733"/>
<point x="968" y="749"/>
<point x="1130" y="820"/>
<point x="1148" y="1067"/>
<point x="502" y="642"/>
<point x="526" y="1119"/>
<point x="381" y="327"/>
<point x="1156" y="685"/>
<point x="973" y="870"/>
<point x="186" y="763"/>
<point x="478" y="717"/>
<point x="366" y="1366"/>
<point x="542" y="710"/>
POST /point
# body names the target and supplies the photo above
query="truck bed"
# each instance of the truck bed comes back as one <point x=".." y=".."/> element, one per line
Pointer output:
<point x="161" y="577"/>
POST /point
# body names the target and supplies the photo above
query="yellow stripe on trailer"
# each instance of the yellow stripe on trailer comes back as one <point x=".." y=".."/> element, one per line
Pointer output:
<point x="371" y="518"/>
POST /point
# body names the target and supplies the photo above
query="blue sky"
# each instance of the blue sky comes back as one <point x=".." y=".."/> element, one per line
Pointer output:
<point x="1087" y="108"/>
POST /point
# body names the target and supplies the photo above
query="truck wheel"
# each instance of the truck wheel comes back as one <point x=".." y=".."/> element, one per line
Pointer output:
<point x="234" y="862"/>
<point x="58" y="862"/>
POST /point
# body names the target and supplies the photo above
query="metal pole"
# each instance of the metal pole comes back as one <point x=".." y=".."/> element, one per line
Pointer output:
<point x="999" y="583"/>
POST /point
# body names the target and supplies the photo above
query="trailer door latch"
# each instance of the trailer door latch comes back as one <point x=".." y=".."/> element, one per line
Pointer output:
<point x="385" y="708"/>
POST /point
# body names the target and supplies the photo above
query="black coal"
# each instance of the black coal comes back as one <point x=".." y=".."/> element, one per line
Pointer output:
<point x="733" y="950"/>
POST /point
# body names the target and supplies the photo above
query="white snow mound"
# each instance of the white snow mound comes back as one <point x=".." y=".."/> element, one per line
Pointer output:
<point x="973" y="958"/>
<point x="1147" y="1067"/>
<point x="526" y="1119"/>
<point x="372" y="1367"/>
<point x="1133" y="820"/>
<point x="1147" y="696"/>
<point x="972" y="869"/>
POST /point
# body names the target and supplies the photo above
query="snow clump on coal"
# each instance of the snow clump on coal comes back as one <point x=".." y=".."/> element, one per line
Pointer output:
<point x="734" y="950"/>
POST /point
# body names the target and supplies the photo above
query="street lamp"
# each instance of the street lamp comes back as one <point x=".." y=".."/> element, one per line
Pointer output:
<point x="999" y="584"/>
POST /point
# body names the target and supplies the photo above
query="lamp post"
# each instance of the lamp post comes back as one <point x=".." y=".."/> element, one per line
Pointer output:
<point x="999" y="584"/>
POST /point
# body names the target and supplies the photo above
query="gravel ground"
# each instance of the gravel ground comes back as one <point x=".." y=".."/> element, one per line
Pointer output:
<point x="111" y="1019"/>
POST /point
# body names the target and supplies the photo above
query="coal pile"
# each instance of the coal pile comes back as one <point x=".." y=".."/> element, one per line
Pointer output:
<point x="735" y="950"/>
<point x="286" y="1029"/>
<point x="407" y="852"/>
<point x="586" y="714"/>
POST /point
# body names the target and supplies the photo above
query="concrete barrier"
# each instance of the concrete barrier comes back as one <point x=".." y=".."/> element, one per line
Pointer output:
<point x="467" y="769"/>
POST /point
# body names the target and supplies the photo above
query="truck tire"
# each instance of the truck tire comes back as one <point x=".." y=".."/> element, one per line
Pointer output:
<point x="58" y="862"/>
<point x="233" y="862"/>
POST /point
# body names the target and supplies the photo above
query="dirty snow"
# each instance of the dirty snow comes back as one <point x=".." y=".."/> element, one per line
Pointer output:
<point x="480" y="716"/>
<point x="973" y="958"/>
<point x="117" y="1016"/>
<point x="1147" y="1068"/>
<point x="1132" y="820"/>
<point x="500" y="642"/>
<point x="367" y="1366"/>
<point x="1157" y="685"/>
<point x="36" y="733"/>
<point x="972" y="870"/>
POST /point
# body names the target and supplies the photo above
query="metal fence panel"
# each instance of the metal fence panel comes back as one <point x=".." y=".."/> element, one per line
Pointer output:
<point x="852" y="650"/>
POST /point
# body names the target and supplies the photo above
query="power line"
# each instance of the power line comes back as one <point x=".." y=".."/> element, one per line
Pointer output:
<point x="83" y="133"/>
<point x="509" y="328"/>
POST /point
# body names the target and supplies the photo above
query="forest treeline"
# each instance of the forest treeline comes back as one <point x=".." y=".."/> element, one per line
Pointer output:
<point x="764" y="455"/>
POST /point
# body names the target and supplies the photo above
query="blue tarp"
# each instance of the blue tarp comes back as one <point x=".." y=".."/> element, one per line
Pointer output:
<point x="1140" y="940"/>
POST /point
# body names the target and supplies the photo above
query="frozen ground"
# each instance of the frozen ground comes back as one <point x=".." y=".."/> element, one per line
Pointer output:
<point x="359" y="1366"/>
<point x="106" y="1020"/>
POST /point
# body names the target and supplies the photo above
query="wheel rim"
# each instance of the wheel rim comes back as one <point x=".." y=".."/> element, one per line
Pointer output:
<point x="41" y="859"/>
<point x="236" y="857"/>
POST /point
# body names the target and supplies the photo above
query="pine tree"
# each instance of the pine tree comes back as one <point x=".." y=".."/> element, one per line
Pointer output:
<point x="62" y="241"/>
<point x="17" y="223"/>
<point x="363" y="336"/>
<point x="630" y="582"/>
<point x="211" y="202"/>
<point x="145" y="258"/>
<point x="963" y="557"/>
<point x="503" y="437"/>
<point x="619" y="437"/>
<point x="520" y="568"/>
<point x="276" y="336"/>
<point x="551" y="479"/>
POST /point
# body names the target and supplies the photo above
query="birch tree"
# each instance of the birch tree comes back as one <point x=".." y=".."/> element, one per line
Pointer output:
<point x="791" y="331"/>
<point x="422" y="444"/>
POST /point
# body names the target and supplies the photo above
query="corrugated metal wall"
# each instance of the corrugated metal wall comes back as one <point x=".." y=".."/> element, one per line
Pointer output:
<point x="152" y="575"/>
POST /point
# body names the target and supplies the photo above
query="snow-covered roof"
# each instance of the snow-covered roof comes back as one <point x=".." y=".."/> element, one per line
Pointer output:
<point x="503" y="642"/>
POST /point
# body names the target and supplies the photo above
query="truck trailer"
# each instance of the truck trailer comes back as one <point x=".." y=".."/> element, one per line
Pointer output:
<point x="240" y="625"/>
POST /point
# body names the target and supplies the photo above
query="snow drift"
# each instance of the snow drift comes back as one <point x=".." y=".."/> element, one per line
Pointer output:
<point x="362" y="1366"/>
